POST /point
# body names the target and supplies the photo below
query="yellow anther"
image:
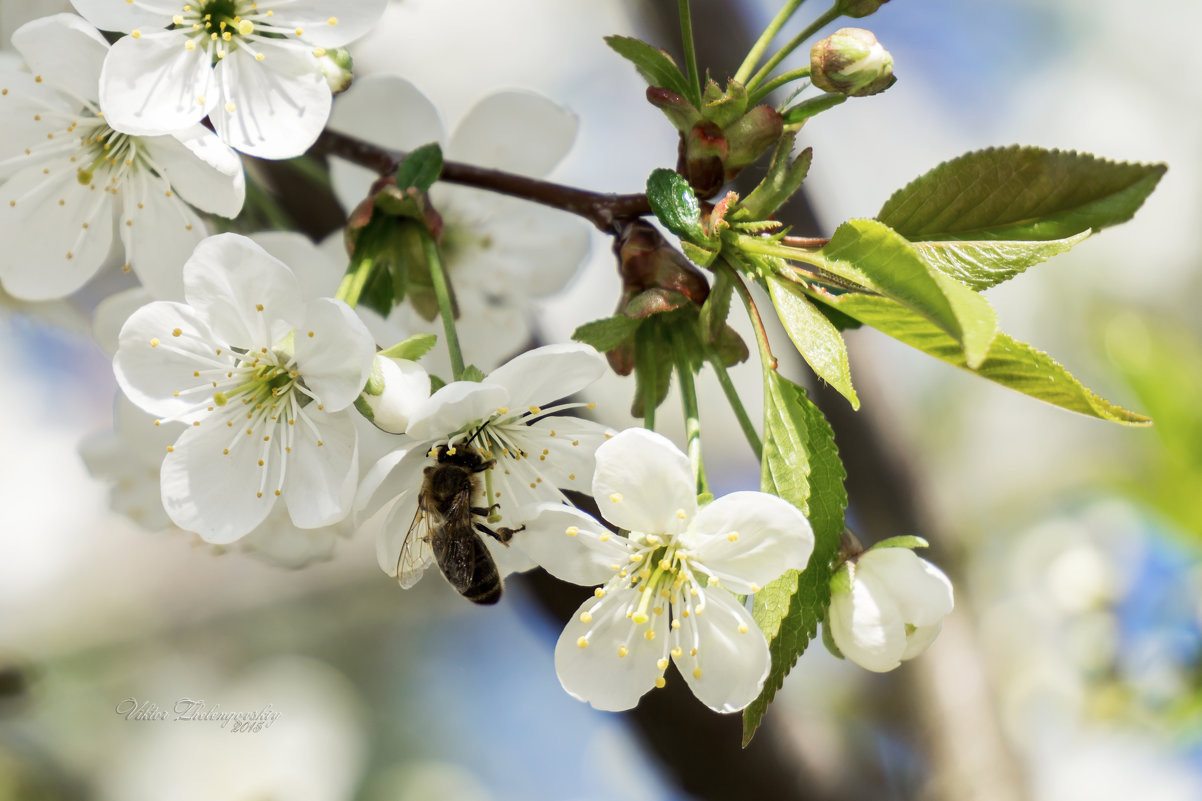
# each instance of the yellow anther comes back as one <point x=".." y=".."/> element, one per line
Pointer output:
<point x="258" y="307"/>
<point x="732" y="536"/>
<point x="571" y="476"/>
<point x="659" y="610"/>
<point x="677" y="652"/>
<point x="616" y="497"/>
<point x="332" y="21"/>
<point x="675" y="624"/>
<point x="175" y="332"/>
<point x="743" y="628"/>
<point x="178" y="19"/>
<point x="227" y="36"/>
<point x="310" y="335"/>
<point x="170" y="449"/>
<point x="300" y="31"/>
<point x="586" y="617"/>
<point x="692" y="652"/>
<point x="754" y="587"/>
<point x="649" y="634"/>
<point x="319" y="52"/>
<point x="582" y="642"/>
<point x="534" y="410"/>
<point x="571" y="531"/>
<point x="605" y="535"/>
<point x="696" y="673"/>
<point x="154" y="342"/>
<point x="660" y="682"/>
<point x="599" y="593"/>
<point x="258" y="495"/>
<point x="246" y="27"/>
<point x="137" y="34"/>
<point x="622" y="651"/>
<point x="662" y="664"/>
<point x="258" y="56"/>
<point x="680" y="513"/>
<point x="639" y="618"/>
<point x="502" y="410"/>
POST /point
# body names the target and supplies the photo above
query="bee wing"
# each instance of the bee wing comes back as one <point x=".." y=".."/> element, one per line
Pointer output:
<point x="416" y="554"/>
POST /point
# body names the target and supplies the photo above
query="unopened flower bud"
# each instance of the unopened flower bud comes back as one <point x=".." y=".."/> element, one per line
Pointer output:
<point x="396" y="388"/>
<point x="851" y="62"/>
<point x="750" y="136"/>
<point x="859" y="8"/>
<point x="703" y="152"/>
<point x="887" y="605"/>
<point x="337" y="66"/>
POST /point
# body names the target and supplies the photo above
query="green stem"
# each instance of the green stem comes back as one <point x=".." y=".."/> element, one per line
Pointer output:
<point x="442" y="291"/>
<point x="692" y="414"/>
<point x="690" y="52"/>
<point x="776" y="83"/>
<point x="757" y="323"/>
<point x="736" y="403"/>
<point x="352" y="284"/>
<point x="649" y="404"/>
<point x="831" y="14"/>
<point x="757" y="50"/>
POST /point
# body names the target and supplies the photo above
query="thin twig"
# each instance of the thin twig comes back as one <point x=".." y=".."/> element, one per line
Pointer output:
<point x="601" y="209"/>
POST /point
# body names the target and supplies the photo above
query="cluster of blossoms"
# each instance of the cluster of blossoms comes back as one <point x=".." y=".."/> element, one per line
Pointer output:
<point x="247" y="391"/>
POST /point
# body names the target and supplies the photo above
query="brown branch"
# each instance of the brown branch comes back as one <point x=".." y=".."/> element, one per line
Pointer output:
<point x="603" y="210"/>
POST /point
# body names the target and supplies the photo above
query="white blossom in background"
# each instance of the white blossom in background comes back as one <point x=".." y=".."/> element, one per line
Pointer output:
<point x="263" y="378"/>
<point x="67" y="175"/>
<point x="15" y="13"/>
<point x="887" y="606"/>
<point x="501" y="253"/>
<point x="254" y="68"/>
<point x="668" y="588"/>
<point x="537" y="451"/>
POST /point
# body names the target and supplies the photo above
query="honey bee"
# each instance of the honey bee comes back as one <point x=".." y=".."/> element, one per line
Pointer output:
<point x="446" y="526"/>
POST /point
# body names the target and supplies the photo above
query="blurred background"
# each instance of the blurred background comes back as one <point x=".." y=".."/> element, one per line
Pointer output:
<point x="1071" y="669"/>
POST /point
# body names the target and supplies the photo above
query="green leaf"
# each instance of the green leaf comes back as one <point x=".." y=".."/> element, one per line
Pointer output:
<point x="657" y="67"/>
<point x="471" y="373"/>
<point x="1019" y="193"/>
<point x="890" y="265"/>
<point x="816" y="338"/>
<point x="653" y="362"/>
<point x="801" y="465"/>
<point x="420" y="168"/>
<point x="784" y="177"/>
<point x="716" y="308"/>
<point x="794" y="116"/>
<point x="983" y="263"/>
<point x="607" y="333"/>
<point x="902" y="541"/>
<point x="673" y="201"/>
<point x="412" y="348"/>
<point x="1008" y="362"/>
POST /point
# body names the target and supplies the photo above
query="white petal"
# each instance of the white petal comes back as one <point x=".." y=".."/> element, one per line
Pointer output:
<point x="750" y="538"/>
<point x="317" y="274"/>
<point x="333" y="23"/>
<point x="570" y="444"/>
<point x="584" y="556"/>
<point x="65" y="51"/>
<point x="52" y="248"/>
<point x="390" y="527"/>
<point x="509" y="559"/>
<point x="455" y="406"/>
<point x="111" y="314"/>
<point x="538" y="249"/>
<point x="644" y="483"/>
<point x="228" y="278"/>
<point x="154" y="367"/>
<point x="384" y="110"/>
<point x="546" y="374"/>
<point x="406" y="387"/>
<point x="919" y="639"/>
<point x="160" y="232"/>
<point x="145" y="442"/>
<point x="201" y="169"/>
<point x="220" y="496"/>
<point x="274" y="108"/>
<point x="596" y="673"/>
<point x="921" y="591"/>
<point x="867" y="628"/>
<point x="731" y="661"/>
<point x="26" y="122"/>
<point x="322" y="471"/>
<point x="518" y="132"/>
<point x="334" y="352"/>
<point x="278" y="542"/>
<point x="125" y="17"/>
<point x="153" y="85"/>
<point x="396" y="473"/>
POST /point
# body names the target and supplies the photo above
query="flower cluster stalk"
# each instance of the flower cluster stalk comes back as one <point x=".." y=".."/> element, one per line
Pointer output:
<point x="690" y="52"/>
<point x="761" y="44"/>
<point x="829" y="16"/>
<point x="736" y="403"/>
<point x="692" y="414"/>
<point x="442" y="291"/>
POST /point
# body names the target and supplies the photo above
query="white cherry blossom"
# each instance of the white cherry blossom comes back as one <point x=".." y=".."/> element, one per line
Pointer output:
<point x="263" y="378"/>
<point x="887" y="606"/>
<point x="67" y="175"/>
<point x="504" y="418"/>
<point x="500" y="253"/>
<point x="254" y="68"/>
<point x="668" y="588"/>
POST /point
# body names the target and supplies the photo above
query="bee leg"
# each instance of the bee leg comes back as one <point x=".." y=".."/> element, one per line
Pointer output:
<point x="480" y="510"/>
<point x="501" y="535"/>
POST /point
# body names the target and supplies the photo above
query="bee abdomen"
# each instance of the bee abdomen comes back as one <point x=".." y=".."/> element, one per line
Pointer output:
<point x="470" y="568"/>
